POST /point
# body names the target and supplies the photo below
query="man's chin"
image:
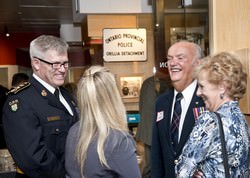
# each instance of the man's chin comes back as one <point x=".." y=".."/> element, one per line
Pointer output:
<point x="175" y="77"/>
<point x="59" y="82"/>
<point x="175" y="81"/>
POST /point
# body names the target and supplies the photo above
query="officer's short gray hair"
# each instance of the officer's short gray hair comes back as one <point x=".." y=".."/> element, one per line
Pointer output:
<point x="44" y="43"/>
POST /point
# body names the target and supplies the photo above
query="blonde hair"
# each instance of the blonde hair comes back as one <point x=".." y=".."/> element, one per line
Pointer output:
<point x="225" y="67"/>
<point x="101" y="109"/>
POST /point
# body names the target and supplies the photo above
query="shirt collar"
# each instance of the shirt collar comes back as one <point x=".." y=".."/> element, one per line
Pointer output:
<point x="45" y="84"/>
<point x="186" y="92"/>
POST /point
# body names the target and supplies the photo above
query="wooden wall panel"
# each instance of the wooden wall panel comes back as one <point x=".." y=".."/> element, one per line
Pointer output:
<point x="96" y="23"/>
<point x="244" y="55"/>
<point x="229" y="25"/>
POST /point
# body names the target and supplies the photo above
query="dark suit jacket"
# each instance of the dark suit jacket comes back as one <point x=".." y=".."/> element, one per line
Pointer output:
<point x="36" y="124"/>
<point x="163" y="157"/>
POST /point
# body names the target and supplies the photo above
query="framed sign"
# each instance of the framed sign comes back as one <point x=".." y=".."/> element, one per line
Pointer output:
<point x="124" y="45"/>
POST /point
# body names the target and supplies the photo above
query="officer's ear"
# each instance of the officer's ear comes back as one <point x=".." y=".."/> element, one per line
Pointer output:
<point x="35" y="63"/>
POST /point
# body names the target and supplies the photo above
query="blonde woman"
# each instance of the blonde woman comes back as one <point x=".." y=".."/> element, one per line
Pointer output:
<point x="99" y="145"/>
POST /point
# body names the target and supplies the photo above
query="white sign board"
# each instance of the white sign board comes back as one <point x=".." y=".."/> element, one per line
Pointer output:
<point x="124" y="45"/>
<point x="113" y="6"/>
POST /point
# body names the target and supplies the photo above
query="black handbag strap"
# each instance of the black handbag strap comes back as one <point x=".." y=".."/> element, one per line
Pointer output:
<point x="223" y="146"/>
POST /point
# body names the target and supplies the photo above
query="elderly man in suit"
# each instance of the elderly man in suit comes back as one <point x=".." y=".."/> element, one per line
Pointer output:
<point x="151" y="88"/>
<point x="175" y="116"/>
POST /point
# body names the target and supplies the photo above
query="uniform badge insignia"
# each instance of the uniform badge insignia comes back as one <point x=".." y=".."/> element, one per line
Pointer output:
<point x="13" y="105"/>
<point x="53" y="118"/>
<point x="44" y="93"/>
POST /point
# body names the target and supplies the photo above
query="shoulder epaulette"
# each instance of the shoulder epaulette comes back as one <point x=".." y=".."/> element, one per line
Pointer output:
<point x="19" y="88"/>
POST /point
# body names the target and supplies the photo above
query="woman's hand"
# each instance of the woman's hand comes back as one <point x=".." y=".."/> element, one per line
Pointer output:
<point x="198" y="174"/>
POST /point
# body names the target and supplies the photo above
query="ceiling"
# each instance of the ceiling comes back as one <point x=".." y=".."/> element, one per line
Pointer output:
<point x="34" y="15"/>
<point x="47" y="15"/>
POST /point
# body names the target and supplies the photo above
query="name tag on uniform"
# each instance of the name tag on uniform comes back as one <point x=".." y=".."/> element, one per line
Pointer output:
<point x="53" y="118"/>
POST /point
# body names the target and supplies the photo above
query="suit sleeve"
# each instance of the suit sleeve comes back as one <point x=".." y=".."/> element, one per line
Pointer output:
<point x="157" y="168"/>
<point x="23" y="134"/>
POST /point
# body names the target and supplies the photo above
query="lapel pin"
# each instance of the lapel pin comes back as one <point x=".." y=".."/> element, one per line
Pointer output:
<point x="73" y="103"/>
<point x="44" y="93"/>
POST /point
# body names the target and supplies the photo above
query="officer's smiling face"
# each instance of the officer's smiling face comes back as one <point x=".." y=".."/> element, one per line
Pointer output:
<point x="48" y="72"/>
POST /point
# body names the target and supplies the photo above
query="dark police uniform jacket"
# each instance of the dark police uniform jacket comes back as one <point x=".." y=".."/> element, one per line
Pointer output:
<point x="163" y="156"/>
<point x="36" y="124"/>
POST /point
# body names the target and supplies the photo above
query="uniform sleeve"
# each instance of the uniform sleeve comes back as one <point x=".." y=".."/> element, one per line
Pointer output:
<point x="197" y="147"/>
<point x="123" y="159"/>
<point x="25" y="142"/>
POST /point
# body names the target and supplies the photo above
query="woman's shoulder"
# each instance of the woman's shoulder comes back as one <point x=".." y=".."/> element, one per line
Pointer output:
<point x="73" y="129"/>
<point x="119" y="135"/>
<point x="119" y="139"/>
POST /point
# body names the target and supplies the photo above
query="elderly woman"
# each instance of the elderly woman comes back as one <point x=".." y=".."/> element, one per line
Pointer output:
<point x="222" y="82"/>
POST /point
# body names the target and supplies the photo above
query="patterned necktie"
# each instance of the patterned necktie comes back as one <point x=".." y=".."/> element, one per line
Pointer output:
<point x="176" y="120"/>
<point x="56" y="93"/>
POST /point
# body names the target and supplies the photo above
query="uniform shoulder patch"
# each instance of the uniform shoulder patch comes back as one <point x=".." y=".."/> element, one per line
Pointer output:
<point x="19" y="88"/>
<point x="14" y="105"/>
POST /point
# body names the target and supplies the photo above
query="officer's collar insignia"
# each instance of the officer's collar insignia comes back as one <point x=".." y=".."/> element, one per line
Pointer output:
<point x="14" y="105"/>
<point x="44" y="93"/>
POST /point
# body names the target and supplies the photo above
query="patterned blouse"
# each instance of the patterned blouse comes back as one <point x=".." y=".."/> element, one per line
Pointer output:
<point x="203" y="149"/>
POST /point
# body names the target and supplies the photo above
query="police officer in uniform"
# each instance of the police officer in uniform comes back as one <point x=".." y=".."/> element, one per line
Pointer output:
<point x="36" y="119"/>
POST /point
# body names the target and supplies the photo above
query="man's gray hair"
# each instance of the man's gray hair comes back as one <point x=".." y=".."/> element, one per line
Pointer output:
<point x="44" y="43"/>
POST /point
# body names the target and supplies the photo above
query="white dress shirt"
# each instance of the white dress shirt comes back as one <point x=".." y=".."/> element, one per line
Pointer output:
<point x="185" y="102"/>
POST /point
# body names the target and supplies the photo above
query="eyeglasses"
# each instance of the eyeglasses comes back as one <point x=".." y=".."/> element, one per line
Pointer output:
<point x="55" y="65"/>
